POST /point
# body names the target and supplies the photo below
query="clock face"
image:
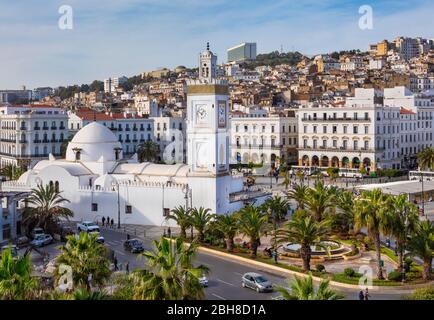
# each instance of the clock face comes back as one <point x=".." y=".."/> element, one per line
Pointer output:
<point x="201" y="113"/>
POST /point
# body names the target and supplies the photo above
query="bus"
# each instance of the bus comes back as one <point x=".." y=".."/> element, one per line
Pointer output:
<point x="343" y="172"/>
<point x="418" y="175"/>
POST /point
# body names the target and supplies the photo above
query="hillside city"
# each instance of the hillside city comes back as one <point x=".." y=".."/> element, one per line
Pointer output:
<point x="317" y="169"/>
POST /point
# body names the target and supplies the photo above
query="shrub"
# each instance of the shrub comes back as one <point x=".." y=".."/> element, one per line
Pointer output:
<point x="422" y="294"/>
<point x="349" y="272"/>
<point x="408" y="262"/>
<point x="320" y="268"/>
<point x="395" y="276"/>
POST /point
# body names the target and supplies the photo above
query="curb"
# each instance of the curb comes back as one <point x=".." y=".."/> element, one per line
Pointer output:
<point x="279" y="271"/>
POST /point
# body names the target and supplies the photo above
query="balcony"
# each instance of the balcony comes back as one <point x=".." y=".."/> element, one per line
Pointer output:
<point x="142" y="129"/>
<point x="62" y="128"/>
<point x="23" y="128"/>
<point x="45" y="141"/>
<point x="339" y="149"/>
<point x="37" y="141"/>
<point x="120" y="140"/>
<point x="38" y="128"/>
<point x="44" y="128"/>
<point x="142" y="140"/>
<point x="336" y="119"/>
<point x="135" y="140"/>
<point x="53" y="140"/>
<point x="120" y="129"/>
<point x="53" y="128"/>
<point x="135" y="129"/>
<point x="127" y="141"/>
<point x="127" y="129"/>
<point x="23" y="141"/>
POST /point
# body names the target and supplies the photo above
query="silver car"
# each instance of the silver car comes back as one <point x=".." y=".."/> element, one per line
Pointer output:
<point x="42" y="240"/>
<point x="256" y="282"/>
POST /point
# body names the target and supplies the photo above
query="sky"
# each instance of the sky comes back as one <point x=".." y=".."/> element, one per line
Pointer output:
<point x="126" y="37"/>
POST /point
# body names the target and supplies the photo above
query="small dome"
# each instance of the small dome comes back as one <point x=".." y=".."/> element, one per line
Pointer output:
<point x="94" y="143"/>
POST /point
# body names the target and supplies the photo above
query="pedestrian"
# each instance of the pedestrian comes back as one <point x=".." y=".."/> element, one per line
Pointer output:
<point x="388" y="242"/>
<point x="169" y="232"/>
<point x="128" y="236"/>
<point x="112" y="223"/>
<point x="103" y="221"/>
<point x="108" y="221"/>
<point x="115" y="262"/>
<point x="367" y="295"/>
<point x="275" y="256"/>
<point x="127" y="267"/>
<point x="361" y="295"/>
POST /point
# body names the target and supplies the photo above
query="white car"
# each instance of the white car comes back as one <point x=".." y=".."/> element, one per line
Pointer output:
<point x="203" y="281"/>
<point x="42" y="240"/>
<point x="88" y="226"/>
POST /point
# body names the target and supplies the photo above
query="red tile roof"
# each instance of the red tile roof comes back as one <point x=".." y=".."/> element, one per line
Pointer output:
<point x="406" y="111"/>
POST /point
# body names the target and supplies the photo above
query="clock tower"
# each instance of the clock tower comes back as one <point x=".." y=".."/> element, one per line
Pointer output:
<point x="207" y="120"/>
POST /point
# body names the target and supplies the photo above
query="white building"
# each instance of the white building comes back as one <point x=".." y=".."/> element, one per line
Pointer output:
<point x="98" y="181"/>
<point x="267" y="139"/>
<point x="30" y="133"/>
<point x="111" y="84"/>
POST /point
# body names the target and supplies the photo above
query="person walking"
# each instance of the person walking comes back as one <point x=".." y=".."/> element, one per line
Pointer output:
<point x="112" y="222"/>
<point x="127" y="267"/>
<point x="108" y="221"/>
<point x="361" y="295"/>
<point x="103" y="221"/>
<point x="169" y="232"/>
<point x="115" y="262"/>
<point x="367" y="295"/>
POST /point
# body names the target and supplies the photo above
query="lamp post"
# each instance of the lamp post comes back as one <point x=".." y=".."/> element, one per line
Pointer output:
<point x="423" y="195"/>
<point x="119" y="207"/>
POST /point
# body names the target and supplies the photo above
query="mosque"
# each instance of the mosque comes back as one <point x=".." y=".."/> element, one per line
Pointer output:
<point x="98" y="181"/>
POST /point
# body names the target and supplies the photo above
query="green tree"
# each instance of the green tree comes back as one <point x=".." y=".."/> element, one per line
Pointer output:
<point x="86" y="257"/>
<point x="425" y="159"/>
<point x="11" y="172"/>
<point x="228" y="225"/>
<point x="200" y="219"/>
<point x="372" y="213"/>
<point x="344" y="219"/>
<point x="306" y="232"/>
<point x="299" y="193"/>
<point x="182" y="217"/>
<point x="16" y="281"/>
<point x="277" y="209"/>
<point x="320" y="200"/>
<point x="148" y="151"/>
<point x="253" y="224"/>
<point x="304" y="289"/>
<point x="421" y="244"/>
<point x="403" y="221"/>
<point x="171" y="274"/>
<point x="64" y="145"/>
<point x="45" y="208"/>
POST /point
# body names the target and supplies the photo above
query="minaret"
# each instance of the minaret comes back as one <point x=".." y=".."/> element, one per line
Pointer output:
<point x="207" y="65"/>
<point x="207" y="120"/>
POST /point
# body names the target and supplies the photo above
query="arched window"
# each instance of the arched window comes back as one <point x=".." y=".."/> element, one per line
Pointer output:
<point x="77" y="155"/>
<point x="56" y="186"/>
<point x="51" y="184"/>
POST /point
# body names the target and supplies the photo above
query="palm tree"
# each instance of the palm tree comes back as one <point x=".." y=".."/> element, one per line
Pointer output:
<point x="372" y="213"/>
<point x="182" y="217"/>
<point x="148" y="151"/>
<point x="306" y="232"/>
<point x="46" y="210"/>
<point x="277" y="208"/>
<point x="320" y="200"/>
<point x="11" y="172"/>
<point x="228" y="225"/>
<point x="303" y="289"/>
<point x="199" y="220"/>
<point x="344" y="217"/>
<point x="421" y="244"/>
<point x="16" y="281"/>
<point x="403" y="221"/>
<point x="171" y="274"/>
<point x="252" y="223"/>
<point x="299" y="194"/>
<point x="86" y="257"/>
<point x="425" y="159"/>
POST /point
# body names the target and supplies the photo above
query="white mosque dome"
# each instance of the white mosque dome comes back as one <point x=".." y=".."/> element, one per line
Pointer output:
<point x="94" y="142"/>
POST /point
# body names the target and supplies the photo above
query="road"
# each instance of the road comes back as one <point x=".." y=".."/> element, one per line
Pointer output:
<point x="225" y="275"/>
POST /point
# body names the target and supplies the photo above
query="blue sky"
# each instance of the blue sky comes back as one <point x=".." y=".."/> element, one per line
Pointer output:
<point x="126" y="37"/>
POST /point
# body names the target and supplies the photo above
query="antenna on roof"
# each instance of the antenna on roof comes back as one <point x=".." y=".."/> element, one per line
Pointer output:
<point x="207" y="46"/>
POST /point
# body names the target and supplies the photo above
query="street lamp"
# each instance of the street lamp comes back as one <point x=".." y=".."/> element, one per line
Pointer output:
<point x="423" y="194"/>
<point x="119" y="207"/>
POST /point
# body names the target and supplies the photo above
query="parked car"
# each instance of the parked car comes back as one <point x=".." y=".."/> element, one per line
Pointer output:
<point x="23" y="241"/>
<point x="256" y="282"/>
<point x="36" y="231"/>
<point x="134" y="246"/>
<point x="14" y="250"/>
<point x="65" y="231"/>
<point x="203" y="280"/>
<point x="42" y="240"/>
<point x="99" y="237"/>
<point x="87" y="226"/>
